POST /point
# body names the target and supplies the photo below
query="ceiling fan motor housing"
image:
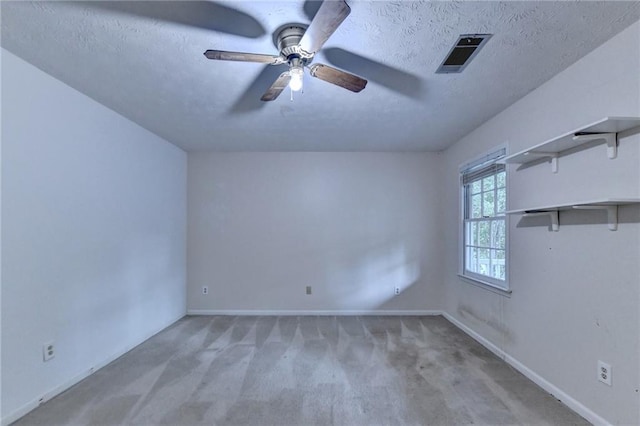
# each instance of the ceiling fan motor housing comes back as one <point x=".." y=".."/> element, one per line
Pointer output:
<point x="287" y="40"/>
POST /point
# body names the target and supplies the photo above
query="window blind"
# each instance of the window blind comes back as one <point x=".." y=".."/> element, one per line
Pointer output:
<point x="475" y="175"/>
<point x="483" y="167"/>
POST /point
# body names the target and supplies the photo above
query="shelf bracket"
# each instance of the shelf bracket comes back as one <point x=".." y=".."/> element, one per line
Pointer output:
<point x="542" y="154"/>
<point x="610" y="138"/>
<point x="553" y="216"/>
<point x="612" y="214"/>
<point x="554" y="162"/>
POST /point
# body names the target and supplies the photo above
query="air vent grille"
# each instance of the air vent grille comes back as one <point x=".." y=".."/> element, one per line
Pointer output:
<point x="464" y="50"/>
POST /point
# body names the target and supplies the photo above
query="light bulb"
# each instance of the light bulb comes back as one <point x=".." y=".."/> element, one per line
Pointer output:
<point x="296" y="74"/>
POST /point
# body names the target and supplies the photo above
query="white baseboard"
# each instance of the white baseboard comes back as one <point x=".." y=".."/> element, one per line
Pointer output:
<point x="558" y="393"/>
<point x="31" y="405"/>
<point x="302" y="313"/>
<point x="484" y="342"/>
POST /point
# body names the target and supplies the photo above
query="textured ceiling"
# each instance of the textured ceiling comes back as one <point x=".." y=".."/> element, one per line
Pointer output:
<point x="145" y="61"/>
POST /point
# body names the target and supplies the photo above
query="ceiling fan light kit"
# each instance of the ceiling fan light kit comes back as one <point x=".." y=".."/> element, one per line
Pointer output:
<point x="298" y="44"/>
<point x="296" y="72"/>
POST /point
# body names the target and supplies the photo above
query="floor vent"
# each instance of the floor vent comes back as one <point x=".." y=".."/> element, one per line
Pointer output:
<point x="466" y="48"/>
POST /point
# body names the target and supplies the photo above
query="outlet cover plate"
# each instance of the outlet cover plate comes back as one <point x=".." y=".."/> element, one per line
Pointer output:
<point x="48" y="351"/>
<point x="604" y="373"/>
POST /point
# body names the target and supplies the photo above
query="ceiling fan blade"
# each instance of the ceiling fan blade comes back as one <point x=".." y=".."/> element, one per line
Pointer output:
<point x="277" y="87"/>
<point x="327" y="20"/>
<point x="200" y="14"/>
<point x="337" y="77"/>
<point x="394" y="79"/>
<point x="223" y="55"/>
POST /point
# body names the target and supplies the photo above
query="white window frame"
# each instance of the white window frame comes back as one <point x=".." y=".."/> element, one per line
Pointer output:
<point x="494" y="284"/>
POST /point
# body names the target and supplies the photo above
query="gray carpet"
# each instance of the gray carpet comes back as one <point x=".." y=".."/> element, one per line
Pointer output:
<point x="307" y="370"/>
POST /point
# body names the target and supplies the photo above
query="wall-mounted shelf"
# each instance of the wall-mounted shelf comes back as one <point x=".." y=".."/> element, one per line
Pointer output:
<point x="610" y="205"/>
<point x="606" y="130"/>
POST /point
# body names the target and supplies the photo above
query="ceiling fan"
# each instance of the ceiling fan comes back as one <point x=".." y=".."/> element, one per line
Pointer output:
<point x="297" y="45"/>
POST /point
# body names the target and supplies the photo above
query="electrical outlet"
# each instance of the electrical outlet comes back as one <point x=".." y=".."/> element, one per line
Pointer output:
<point x="397" y="291"/>
<point x="48" y="351"/>
<point x="604" y="373"/>
<point x="308" y="289"/>
<point x="205" y="289"/>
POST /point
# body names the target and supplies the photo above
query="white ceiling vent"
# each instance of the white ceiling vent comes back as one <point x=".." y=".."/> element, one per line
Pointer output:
<point x="463" y="51"/>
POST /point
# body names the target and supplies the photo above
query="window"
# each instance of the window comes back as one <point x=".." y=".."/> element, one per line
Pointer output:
<point x="484" y="192"/>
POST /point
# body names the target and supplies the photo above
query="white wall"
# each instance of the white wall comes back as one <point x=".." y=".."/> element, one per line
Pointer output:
<point x="1" y="115"/>
<point x="263" y="226"/>
<point x="94" y="234"/>
<point x="576" y="292"/>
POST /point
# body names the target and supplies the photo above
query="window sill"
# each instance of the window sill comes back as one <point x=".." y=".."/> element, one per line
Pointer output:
<point x="485" y="285"/>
